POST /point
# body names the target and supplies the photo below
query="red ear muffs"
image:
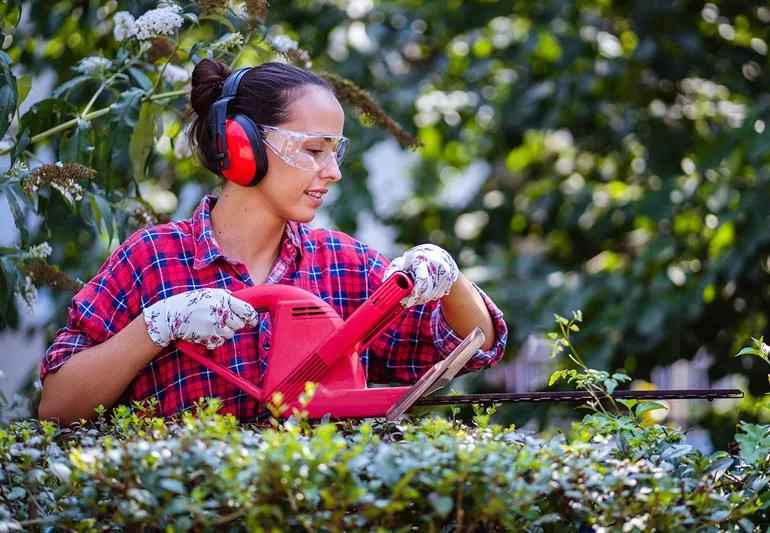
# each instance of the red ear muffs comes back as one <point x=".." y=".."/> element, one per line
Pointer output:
<point x="240" y="150"/>
<point x="245" y="152"/>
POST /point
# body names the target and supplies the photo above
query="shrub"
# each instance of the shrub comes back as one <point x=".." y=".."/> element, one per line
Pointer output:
<point x="203" y="471"/>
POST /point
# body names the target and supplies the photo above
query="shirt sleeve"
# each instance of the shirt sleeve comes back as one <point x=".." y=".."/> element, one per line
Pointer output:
<point x="422" y="337"/>
<point x="104" y="306"/>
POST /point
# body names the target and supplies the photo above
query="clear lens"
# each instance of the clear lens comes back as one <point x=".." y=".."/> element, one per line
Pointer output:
<point x="306" y="151"/>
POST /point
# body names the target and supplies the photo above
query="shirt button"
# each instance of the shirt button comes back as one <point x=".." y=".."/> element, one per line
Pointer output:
<point x="266" y="345"/>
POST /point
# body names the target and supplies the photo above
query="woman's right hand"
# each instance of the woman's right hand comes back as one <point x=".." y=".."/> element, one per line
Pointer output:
<point x="204" y="316"/>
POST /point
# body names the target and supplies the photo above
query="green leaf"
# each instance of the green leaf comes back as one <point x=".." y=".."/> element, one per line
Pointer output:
<point x="173" y="485"/>
<point x="142" y="139"/>
<point x="141" y="78"/>
<point x="16" y="493"/>
<point x="628" y="403"/>
<point x="17" y="202"/>
<point x="646" y="407"/>
<point x="79" y="146"/>
<point x="46" y="114"/>
<point x="441" y="504"/>
<point x="222" y="20"/>
<point x="123" y="114"/>
<point x="68" y="85"/>
<point x="556" y="376"/>
<point x="192" y="17"/>
<point x="105" y="207"/>
<point x="11" y="274"/>
<point x="8" y="97"/>
<point x="754" y="441"/>
<point x="23" y="86"/>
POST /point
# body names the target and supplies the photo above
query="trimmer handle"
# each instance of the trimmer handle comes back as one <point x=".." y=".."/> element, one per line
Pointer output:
<point x="267" y="297"/>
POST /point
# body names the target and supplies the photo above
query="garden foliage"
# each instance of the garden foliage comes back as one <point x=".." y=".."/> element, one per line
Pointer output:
<point x="205" y="472"/>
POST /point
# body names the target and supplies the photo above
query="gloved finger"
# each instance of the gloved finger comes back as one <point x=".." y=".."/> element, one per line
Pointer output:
<point x="244" y="310"/>
<point x="422" y="281"/>
<point x="212" y="342"/>
<point x="225" y="332"/>
<point x="396" y="264"/>
<point x="234" y="322"/>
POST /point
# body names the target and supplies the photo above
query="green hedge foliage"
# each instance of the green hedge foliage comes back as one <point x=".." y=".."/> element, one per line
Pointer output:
<point x="203" y="471"/>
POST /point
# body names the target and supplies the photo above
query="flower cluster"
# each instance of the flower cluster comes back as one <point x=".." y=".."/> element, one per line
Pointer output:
<point x="93" y="66"/>
<point x="43" y="274"/>
<point x="226" y="43"/>
<point x="212" y="7"/>
<point x="63" y="177"/>
<point x="288" y="47"/>
<point x="282" y="43"/>
<point x="124" y="25"/>
<point x="160" y="21"/>
<point x="174" y="74"/>
<point x="144" y="216"/>
<point x="19" y="170"/>
<point x="257" y="9"/>
<point x="40" y="251"/>
<point x="349" y="92"/>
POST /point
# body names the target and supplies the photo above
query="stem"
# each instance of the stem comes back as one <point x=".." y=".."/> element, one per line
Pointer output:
<point x="163" y="68"/>
<point x="64" y="126"/>
<point x="95" y="96"/>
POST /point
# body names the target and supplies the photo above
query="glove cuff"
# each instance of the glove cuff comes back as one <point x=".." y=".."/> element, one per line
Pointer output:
<point x="157" y="325"/>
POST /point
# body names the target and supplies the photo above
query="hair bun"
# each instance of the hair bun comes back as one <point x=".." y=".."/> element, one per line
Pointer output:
<point x="208" y="77"/>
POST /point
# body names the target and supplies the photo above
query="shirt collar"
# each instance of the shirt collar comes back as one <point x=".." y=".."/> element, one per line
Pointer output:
<point x="206" y="249"/>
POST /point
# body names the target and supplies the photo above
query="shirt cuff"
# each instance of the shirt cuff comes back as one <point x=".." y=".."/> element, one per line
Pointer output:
<point x="446" y="339"/>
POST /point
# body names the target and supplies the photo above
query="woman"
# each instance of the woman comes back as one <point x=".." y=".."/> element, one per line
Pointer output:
<point x="275" y="133"/>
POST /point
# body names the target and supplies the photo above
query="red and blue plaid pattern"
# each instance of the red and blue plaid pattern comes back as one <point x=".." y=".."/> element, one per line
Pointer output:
<point x="163" y="260"/>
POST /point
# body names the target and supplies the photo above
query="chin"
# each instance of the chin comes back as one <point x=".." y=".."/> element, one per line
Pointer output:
<point x="302" y="218"/>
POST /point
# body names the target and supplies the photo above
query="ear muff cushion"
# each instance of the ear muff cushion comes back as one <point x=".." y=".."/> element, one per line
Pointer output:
<point x="245" y="151"/>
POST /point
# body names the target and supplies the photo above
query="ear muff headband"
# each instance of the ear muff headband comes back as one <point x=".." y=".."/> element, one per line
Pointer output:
<point x="240" y="152"/>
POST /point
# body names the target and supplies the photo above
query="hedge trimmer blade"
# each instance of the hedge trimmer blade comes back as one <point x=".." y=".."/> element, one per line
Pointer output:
<point x="580" y="396"/>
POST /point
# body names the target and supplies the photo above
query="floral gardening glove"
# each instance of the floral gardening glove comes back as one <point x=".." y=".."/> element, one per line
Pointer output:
<point x="433" y="270"/>
<point x="204" y="316"/>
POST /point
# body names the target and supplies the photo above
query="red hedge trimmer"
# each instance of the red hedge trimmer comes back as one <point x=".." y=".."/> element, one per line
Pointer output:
<point x="311" y="343"/>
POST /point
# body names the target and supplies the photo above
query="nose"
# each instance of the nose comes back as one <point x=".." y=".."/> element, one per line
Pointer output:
<point x="331" y="171"/>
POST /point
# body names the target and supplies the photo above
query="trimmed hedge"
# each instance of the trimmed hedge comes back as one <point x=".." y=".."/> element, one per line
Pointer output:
<point x="203" y="471"/>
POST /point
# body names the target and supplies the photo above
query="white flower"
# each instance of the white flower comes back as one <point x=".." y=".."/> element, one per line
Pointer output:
<point x="160" y="21"/>
<point x="174" y="74"/>
<point x="27" y="296"/>
<point x="93" y="66"/>
<point x="227" y="42"/>
<point x="182" y="148"/>
<point x="283" y="43"/>
<point x="765" y="349"/>
<point x="124" y="25"/>
<point x="18" y="169"/>
<point x="173" y="6"/>
<point x="40" y="251"/>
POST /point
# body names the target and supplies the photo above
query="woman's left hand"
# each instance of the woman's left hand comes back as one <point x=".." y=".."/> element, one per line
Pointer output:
<point x="433" y="270"/>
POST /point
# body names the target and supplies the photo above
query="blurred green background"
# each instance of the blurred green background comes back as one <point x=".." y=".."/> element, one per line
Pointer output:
<point x="595" y="155"/>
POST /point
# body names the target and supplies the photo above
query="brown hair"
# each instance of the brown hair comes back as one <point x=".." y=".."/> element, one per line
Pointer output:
<point x="263" y="95"/>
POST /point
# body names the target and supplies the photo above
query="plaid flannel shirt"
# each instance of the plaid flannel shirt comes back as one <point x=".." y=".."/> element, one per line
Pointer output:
<point x="160" y="261"/>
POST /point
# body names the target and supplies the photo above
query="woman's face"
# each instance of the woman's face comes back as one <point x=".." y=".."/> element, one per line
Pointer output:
<point x="293" y="193"/>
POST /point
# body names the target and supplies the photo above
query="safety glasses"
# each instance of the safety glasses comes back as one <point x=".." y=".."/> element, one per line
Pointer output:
<point x="306" y="151"/>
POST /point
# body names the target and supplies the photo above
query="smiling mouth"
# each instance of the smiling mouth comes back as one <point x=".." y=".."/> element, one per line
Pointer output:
<point x="314" y="194"/>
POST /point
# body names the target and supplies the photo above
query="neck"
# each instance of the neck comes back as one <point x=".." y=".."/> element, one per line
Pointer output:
<point x="245" y="228"/>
